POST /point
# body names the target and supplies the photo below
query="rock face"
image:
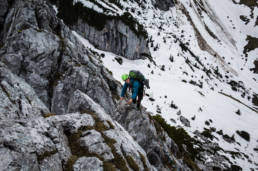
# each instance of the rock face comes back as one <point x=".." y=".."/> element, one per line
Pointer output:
<point x="18" y="99"/>
<point x="40" y="49"/>
<point x="4" y="8"/>
<point x="121" y="35"/>
<point x="159" y="147"/>
<point x="57" y="101"/>
<point x="116" y="37"/>
<point x="164" y="4"/>
<point x="88" y="163"/>
<point x="62" y="142"/>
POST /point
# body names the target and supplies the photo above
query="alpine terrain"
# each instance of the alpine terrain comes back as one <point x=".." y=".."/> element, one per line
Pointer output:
<point x="61" y="63"/>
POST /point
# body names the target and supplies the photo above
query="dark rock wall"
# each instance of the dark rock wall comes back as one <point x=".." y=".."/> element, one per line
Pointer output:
<point x="164" y="4"/>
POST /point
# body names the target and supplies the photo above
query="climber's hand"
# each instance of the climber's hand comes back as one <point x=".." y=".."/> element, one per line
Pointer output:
<point x="130" y="101"/>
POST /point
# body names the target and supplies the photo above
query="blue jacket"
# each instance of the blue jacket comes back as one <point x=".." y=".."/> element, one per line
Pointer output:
<point x="135" y="88"/>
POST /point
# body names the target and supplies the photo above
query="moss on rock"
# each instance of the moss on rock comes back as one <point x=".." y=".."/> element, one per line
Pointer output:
<point x="132" y="163"/>
<point x="181" y="138"/>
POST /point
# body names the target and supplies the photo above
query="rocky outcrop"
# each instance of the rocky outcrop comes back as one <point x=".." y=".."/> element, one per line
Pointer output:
<point x="40" y="49"/>
<point x="164" y="4"/>
<point x="29" y="141"/>
<point x="115" y="37"/>
<point x="152" y="138"/>
<point x="121" y="35"/>
<point x="18" y="99"/>
<point x="66" y="142"/>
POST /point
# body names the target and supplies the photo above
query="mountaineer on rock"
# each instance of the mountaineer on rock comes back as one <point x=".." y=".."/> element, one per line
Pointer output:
<point x="135" y="81"/>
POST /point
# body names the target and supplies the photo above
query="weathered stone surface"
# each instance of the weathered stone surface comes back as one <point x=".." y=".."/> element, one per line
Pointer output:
<point x="51" y="163"/>
<point x="116" y="37"/>
<point x="88" y="164"/>
<point x="42" y="144"/>
<point x="94" y="142"/>
<point x="28" y="51"/>
<point x="28" y="144"/>
<point x="42" y="50"/>
<point x="122" y="143"/>
<point x="18" y="99"/>
<point x="73" y="122"/>
<point x="159" y="147"/>
<point x="83" y="103"/>
<point x="121" y="34"/>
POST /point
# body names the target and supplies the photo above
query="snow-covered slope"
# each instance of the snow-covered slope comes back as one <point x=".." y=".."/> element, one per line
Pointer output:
<point x="203" y="56"/>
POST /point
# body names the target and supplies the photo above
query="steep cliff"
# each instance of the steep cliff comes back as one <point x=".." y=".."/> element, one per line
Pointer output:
<point x="120" y="34"/>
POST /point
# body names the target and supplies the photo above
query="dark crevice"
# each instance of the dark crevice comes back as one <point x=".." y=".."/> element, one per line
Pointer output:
<point x="9" y="146"/>
<point x="37" y="18"/>
<point x="7" y="94"/>
<point x="55" y="75"/>
<point x="22" y="68"/>
<point x="131" y="162"/>
<point x="20" y="104"/>
<point x="2" y="23"/>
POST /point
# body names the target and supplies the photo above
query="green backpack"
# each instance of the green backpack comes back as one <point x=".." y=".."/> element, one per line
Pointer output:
<point x="137" y="75"/>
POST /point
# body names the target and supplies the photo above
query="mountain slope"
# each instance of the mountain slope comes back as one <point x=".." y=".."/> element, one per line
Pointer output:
<point x="57" y="100"/>
<point x="201" y="68"/>
<point x="200" y="57"/>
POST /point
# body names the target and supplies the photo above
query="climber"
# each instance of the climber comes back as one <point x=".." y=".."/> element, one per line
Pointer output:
<point x="135" y="81"/>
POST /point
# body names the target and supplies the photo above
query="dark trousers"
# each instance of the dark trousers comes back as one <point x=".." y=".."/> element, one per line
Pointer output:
<point x="139" y="97"/>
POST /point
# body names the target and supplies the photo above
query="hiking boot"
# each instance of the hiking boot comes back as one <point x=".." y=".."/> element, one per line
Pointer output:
<point x="138" y="106"/>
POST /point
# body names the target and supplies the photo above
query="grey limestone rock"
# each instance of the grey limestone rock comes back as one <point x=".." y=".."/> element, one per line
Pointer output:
<point x="28" y="145"/>
<point x="51" y="163"/>
<point x="119" y="141"/>
<point x="49" y="144"/>
<point x="159" y="147"/>
<point x="94" y="142"/>
<point x="88" y="164"/>
<point x="18" y="99"/>
<point x="121" y="35"/>
<point x="116" y="37"/>
<point x="43" y="51"/>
